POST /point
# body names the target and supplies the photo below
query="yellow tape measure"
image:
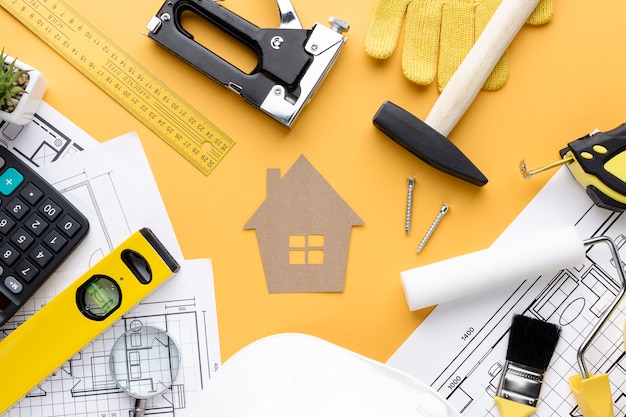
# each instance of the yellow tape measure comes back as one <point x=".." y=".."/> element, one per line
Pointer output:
<point x="125" y="79"/>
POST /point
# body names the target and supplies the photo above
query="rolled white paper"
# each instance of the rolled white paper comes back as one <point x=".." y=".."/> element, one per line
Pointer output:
<point x="492" y="268"/>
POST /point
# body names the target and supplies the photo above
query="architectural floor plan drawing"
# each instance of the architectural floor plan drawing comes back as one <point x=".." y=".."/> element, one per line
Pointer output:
<point x="460" y="348"/>
<point x="96" y="180"/>
<point x="83" y="386"/>
<point x="49" y="137"/>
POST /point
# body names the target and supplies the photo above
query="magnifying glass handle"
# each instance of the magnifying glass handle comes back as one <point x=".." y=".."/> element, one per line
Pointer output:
<point x="140" y="407"/>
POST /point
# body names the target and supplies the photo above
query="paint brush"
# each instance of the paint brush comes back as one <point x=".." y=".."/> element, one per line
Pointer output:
<point x="531" y="345"/>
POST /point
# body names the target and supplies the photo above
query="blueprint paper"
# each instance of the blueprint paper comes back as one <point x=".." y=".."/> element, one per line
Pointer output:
<point x="112" y="184"/>
<point x="83" y="386"/>
<point x="460" y="348"/>
<point x="48" y="138"/>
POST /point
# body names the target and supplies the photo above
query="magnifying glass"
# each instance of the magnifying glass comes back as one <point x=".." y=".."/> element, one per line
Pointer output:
<point x="144" y="362"/>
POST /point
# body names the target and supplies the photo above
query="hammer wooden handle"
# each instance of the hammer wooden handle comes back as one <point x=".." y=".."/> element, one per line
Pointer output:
<point x="469" y="78"/>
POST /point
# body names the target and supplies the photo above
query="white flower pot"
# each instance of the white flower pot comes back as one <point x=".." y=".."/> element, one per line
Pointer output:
<point x="28" y="104"/>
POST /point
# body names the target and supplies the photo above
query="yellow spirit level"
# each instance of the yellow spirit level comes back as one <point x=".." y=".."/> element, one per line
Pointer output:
<point x="84" y="309"/>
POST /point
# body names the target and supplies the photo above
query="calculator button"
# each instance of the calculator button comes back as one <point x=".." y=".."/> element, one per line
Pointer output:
<point x="69" y="226"/>
<point x="36" y="224"/>
<point x="13" y="285"/>
<point x="39" y="228"/>
<point x="17" y="208"/>
<point x="26" y="270"/>
<point x="10" y="180"/>
<point x="54" y="240"/>
<point x="41" y="255"/>
<point x="50" y="210"/>
<point x="22" y="239"/>
<point x="6" y="223"/>
<point x="31" y="193"/>
<point x="8" y="254"/>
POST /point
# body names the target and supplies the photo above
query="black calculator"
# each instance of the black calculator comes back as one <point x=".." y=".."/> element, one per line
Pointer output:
<point x="39" y="228"/>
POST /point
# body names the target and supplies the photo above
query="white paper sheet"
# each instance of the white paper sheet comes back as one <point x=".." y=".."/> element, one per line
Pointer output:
<point x="112" y="184"/>
<point x="48" y="138"/>
<point x="460" y="348"/>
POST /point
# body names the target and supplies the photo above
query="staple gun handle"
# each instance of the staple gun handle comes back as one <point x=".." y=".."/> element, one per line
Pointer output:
<point x="281" y="58"/>
<point x="171" y="35"/>
<point x="288" y="16"/>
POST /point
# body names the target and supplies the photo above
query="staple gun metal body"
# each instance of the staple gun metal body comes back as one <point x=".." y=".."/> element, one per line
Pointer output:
<point x="292" y="61"/>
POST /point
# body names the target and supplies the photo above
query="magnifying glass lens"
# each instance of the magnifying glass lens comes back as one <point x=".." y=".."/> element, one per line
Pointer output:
<point x="144" y="362"/>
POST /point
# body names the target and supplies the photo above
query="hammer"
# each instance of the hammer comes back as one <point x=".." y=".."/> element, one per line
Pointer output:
<point x="427" y="139"/>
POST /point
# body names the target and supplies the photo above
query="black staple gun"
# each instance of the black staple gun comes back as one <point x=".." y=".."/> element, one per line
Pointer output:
<point x="292" y="61"/>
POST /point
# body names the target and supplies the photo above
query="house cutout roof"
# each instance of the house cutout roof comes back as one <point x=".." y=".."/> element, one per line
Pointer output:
<point x="303" y="230"/>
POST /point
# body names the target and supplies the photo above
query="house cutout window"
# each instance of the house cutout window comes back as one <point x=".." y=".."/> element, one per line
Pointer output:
<point x="306" y="249"/>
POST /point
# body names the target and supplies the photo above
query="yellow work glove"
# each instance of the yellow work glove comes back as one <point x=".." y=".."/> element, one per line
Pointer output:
<point x="438" y="34"/>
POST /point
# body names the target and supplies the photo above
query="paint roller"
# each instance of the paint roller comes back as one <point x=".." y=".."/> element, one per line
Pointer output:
<point x="495" y="267"/>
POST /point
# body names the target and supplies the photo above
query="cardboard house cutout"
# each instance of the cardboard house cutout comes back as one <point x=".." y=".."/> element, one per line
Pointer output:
<point x="303" y="229"/>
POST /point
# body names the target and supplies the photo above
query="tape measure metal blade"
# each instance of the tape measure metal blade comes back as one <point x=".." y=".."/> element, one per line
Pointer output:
<point x="124" y="79"/>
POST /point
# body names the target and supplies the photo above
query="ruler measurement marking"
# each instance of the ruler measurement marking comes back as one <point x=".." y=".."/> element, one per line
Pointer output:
<point x="142" y="93"/>
<point x="52" y="18"/>
<point x="134" y="85"/>
<point x="125" y="80"/>
<point x="181" y="127"/>
<point x="166" y="113"/>
<point x="49" y="18"/>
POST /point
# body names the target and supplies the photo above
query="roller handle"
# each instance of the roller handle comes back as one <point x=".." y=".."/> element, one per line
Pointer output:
<point x="593" y="395"/>
<point x="471" y="75"/>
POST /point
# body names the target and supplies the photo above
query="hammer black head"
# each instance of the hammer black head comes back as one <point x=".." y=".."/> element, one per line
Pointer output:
<point x="426" y="143"/>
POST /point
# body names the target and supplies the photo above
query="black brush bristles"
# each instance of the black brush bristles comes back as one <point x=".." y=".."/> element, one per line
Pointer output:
<point x="532" y="342"/>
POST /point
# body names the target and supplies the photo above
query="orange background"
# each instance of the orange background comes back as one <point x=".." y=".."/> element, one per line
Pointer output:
<point x="566" y="78"/>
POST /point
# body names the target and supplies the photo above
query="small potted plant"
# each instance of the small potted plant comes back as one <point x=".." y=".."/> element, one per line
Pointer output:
<point x="21" y="90"/>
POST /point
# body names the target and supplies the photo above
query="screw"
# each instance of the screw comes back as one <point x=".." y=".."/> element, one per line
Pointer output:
<point x="409" y="205"/>
<point x="444" y="209"/>
<point x="338" y="25"/>
<point x="276" y="42"/>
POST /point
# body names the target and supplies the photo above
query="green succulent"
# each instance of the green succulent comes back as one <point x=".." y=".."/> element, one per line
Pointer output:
<point x="9" y="80"/>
